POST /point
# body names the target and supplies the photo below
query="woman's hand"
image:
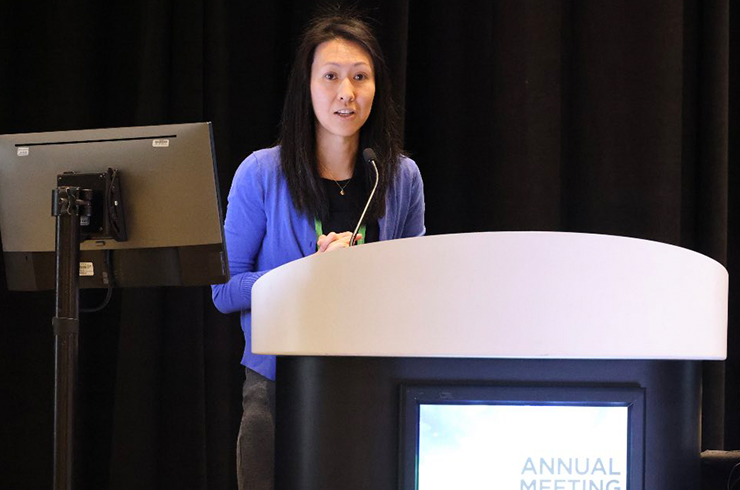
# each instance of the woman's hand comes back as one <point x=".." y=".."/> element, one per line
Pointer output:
<point x="335" y="241"/>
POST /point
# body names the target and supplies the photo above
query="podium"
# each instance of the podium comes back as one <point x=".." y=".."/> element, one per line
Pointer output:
<point x="541" y="318"/>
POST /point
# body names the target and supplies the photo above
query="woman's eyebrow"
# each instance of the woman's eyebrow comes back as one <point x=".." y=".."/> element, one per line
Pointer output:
<point x="335" y="63"/>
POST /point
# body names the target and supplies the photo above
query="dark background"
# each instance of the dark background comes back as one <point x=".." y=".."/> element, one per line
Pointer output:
<point x="601" y="116"/>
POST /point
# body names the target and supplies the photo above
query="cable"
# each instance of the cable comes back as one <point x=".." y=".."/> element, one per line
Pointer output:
<point x="109" y="293"/>
<point x="730" y="482"/>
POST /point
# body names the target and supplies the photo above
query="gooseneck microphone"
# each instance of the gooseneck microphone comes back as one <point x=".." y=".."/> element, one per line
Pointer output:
<point x="369" y="156"/>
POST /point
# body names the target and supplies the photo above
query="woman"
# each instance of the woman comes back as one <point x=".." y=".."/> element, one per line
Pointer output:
<point x="305" y="195"/>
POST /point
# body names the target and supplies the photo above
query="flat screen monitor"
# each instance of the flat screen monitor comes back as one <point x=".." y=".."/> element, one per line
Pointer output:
<point x="522" y="438"/>
<point x="170" y="198"/>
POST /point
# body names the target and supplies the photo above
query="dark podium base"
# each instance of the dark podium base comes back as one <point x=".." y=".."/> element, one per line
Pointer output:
<point x="338" y="417"/>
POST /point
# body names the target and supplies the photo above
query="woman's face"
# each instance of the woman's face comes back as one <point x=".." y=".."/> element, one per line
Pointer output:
<point x="342" y="88"/>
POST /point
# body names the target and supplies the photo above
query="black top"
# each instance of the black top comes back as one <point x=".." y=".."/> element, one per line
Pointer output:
<point x="345" y="210"/>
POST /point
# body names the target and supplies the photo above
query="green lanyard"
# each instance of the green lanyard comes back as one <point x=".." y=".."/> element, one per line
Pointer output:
<point x="320" y="231"/>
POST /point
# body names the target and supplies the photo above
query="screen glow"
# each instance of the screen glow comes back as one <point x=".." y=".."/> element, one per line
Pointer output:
<point x="522" y="447"/>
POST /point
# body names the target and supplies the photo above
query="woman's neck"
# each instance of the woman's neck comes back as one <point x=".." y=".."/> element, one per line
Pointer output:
<point x="336" y="156"/>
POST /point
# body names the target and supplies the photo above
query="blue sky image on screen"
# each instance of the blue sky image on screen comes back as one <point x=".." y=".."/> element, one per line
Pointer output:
<point x="522" y="447"/>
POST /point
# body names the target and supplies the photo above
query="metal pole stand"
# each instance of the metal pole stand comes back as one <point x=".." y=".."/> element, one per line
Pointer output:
<point x="68" y="204"/>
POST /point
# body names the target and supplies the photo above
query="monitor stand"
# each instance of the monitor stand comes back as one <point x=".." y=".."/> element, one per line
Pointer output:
<point x="68" y="205"/>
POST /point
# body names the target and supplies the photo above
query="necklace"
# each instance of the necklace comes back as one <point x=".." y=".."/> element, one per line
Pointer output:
<point x="341" y="187"/>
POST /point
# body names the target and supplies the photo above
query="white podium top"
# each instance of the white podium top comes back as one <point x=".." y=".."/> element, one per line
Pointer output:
<point x="497" y="295"/>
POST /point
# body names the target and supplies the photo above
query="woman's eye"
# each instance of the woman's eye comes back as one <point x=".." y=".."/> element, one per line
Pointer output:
<point x="330" y="76"/>
<point x="361" y="76"/>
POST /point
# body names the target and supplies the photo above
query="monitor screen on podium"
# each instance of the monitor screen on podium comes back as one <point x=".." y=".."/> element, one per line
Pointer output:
<point x="522" y="438"/>
<point x="170" y="201"/>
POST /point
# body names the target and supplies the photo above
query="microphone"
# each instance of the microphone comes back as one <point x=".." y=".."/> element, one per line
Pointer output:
<point x="369" y="156"/>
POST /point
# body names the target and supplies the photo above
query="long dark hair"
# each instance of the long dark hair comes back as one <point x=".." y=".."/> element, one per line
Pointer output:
<point x="298" y="128"/>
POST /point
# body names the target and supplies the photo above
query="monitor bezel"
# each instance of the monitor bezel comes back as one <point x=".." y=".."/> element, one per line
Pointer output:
<point x="412" y="396"/>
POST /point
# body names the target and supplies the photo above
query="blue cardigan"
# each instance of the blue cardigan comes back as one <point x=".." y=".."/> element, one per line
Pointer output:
<point x="264" y="230"/>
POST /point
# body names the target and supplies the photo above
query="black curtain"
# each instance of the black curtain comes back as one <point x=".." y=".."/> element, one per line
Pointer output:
<point x="586" y="116"/>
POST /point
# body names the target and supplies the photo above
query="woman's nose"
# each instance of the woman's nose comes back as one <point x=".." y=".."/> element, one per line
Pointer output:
<point x="346" y="91"/>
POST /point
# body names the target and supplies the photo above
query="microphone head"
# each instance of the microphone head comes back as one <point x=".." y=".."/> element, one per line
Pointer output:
<point x="369" y="155"/>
